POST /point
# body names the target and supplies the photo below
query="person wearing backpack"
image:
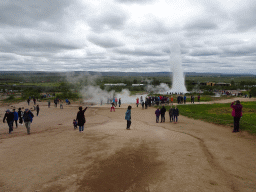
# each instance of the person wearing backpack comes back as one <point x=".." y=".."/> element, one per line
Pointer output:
<point x="28" y="118"/>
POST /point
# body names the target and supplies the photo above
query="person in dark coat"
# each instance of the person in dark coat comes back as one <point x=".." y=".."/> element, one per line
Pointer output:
<point x="157" y="112"/>
<point x="28" y="118"/>
<point x="237" y="114"/>
<point x="81" y="119"/>
<point x="9" y="118"/>
<point x="171" y="114"/>
<point x="119" y="102"/>
<point x="37" y="110"/>
<point x="20" y="114"/>
<point x="175" y="114"/>
<point x="128" y="117"/>
<point x="162" y="111"/>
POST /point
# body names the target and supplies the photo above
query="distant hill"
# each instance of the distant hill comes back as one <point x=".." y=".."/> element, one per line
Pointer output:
<point x="143" y="74"/>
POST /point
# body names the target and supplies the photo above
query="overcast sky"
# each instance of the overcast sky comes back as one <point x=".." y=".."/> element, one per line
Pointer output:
<point x="127" y="35"/>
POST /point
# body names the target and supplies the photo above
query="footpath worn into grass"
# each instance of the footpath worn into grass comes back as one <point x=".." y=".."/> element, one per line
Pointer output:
<point x="220" y="113"/>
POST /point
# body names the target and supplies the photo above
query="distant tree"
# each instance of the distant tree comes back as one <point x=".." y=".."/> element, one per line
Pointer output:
<point x="253" y="91"/>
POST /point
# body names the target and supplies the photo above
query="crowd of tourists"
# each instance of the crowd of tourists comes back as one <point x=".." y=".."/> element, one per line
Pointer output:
<point x="14" y="118"/>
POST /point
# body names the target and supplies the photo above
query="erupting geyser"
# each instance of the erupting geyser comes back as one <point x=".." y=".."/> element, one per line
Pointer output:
<point x="178" y="80"/>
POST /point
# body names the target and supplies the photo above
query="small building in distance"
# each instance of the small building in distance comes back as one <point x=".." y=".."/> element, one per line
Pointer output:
<point x="223" y="84"/>
<point x="117" y="84"/>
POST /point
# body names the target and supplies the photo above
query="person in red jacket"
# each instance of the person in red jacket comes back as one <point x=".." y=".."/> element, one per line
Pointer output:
<point x="237" y="114"/>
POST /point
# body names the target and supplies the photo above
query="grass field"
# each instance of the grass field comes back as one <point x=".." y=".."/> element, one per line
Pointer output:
<point x="221" y="114"/>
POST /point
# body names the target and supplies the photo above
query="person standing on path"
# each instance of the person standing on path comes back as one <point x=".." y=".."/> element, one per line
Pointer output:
<point x="192" y="99"/>
<point x="128" y="117"/>
<point x="162" y="111"/>
<point x="171" y="114"/>
<point x="237" y="114"/>
<point x="16" y="117"/>
<point x="28" y="118"/>
<point x="171" y="99"/>
<point x="81" y="119"/>
<point x="157" y="112"/>
<point x="9" y="117"/>
<point x="37" y="110"/>
<point x="112" y="107"/>
<point x="20" y="114"/>
<point x="119" y="102"/>
<point x="28" y="101"/>
<point x="198" y="98"/>
<point x="137" y="101"/>
<point x="49" y="103"/>
<point x="175" y="114"/>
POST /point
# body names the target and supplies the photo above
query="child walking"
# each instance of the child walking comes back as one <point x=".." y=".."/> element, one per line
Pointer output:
<point x="75" y="124"/>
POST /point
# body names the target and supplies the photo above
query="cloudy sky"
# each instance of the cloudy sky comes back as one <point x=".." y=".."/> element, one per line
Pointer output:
<point x="127" y="35"/>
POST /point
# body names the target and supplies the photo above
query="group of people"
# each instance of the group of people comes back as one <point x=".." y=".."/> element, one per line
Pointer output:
<point x="173" y="114"/>
<point x="114" y="104"/>
<point x="11" y="117"/>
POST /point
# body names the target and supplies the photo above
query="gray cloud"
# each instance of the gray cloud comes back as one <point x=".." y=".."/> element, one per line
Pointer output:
<point x="104" y="41"/>
<point x="205" y="52"/>
<point x="27" y="13"/>
<point x="112" y="18"/>
<point x="138" y="52"/>
<point x="245" y="16"/>
<point x="126" y="35"/>
<point x="135" y="1"/>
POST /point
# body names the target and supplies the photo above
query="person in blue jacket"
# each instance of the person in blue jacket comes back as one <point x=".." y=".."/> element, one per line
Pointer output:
<point x="16" y="117"/>
<point x="128" y="117"/>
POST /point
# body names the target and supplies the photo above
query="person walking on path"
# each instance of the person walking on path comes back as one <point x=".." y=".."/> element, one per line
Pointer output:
<point x="49" y="103"/>
<point x="119" y="102"/>
<point x="28" y="101"/>
<point x="20" y="114"/>
<point x="128" y="117"/>
<point x="37" y="110"/>
<point x="116" y="101"/>
<point x="112" y="107"/>
<point x="162" y="111"/>
<point x="16" y="117"/>
<point x="34" y="100"/>
<point x="237" y="114"/>
<point x="171" y="114"/>
<point x="75" y="124"/>
<point x="81" y="118"/>
<point x="157" y="112"/>
<point x="175" y="114"/>
<point x="171" y="99"/>
<point x="61" y="104"/>
<point x="28" y="118"/>
<point x="198" y="98"/>
<point x="137" y="102"/>
<point x="185" y="99"/>
<point x="192" y="99"/>
<point x="9" y="118"/>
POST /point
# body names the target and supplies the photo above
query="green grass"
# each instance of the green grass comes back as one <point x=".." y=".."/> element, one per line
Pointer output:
<point x="12" y="99"/>
<point x="221" y="114"/>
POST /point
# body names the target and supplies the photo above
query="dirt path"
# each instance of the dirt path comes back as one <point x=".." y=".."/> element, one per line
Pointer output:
<point x="188" y="156"/>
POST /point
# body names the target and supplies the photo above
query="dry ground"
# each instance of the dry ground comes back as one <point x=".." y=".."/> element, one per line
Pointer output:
<point x="158" y="157"/>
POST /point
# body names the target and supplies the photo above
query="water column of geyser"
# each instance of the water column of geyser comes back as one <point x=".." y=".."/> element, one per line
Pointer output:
<point x="178" y="80"/>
